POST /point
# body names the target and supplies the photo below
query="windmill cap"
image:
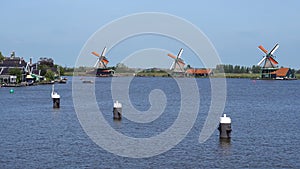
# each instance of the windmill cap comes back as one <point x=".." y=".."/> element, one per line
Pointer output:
<point x="225" y="119"/>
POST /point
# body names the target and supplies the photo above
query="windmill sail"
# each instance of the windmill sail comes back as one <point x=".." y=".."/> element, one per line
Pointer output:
<point x="178" y="67"/>
<point x="178" y="63"/>
<point x="269" y="61"/>
<point x="102" y="60"/>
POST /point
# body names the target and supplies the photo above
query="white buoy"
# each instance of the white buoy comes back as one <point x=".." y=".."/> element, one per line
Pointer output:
<point x="117" y="111"/>
<point x="225" y="127"/>
<point x="56" y="98"/>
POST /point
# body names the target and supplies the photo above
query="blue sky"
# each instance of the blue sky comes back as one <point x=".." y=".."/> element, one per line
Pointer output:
<point x="60" y="28"/>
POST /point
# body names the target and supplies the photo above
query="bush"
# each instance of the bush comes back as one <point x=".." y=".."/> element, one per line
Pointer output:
<point x="50" y="75"/>
<point x="16" y="72"/>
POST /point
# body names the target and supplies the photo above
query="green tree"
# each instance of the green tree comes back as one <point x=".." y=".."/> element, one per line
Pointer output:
<point x="50" y="75"/>
<point x="255" y="69"/>
<point x="1" y="56"/>
<point x="61" y="70"/>
<point x="43" y="69"/>
<point x="236" y="69"/>
<point x="16" y="72"/>
<point x="220" y="69"/>
<point x="229" y="69"/>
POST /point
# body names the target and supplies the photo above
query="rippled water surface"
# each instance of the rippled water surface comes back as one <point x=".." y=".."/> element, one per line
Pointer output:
<point x="265" y="121"/>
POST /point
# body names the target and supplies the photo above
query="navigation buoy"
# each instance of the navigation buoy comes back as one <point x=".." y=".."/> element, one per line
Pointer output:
<point x="11" y="91"/>
<point x="117" y="111"/>
<point x="56" y="98"/>
<point x="225" y="127"/>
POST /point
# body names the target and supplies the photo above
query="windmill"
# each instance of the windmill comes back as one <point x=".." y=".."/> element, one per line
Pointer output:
<point x="101" y="65"/>
<point x="269" y="61"/>
<point x="270" y="64"/>
<point x="29" y="67"/>
<point x="101" y="61"/>
<point x="178" y="64"/>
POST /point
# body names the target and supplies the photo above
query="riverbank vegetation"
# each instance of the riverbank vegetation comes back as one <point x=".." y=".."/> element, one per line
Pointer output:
<point x="230" y="71"/>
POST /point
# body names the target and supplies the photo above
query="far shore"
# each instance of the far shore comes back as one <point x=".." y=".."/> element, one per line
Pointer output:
<point x="165" y="74"/>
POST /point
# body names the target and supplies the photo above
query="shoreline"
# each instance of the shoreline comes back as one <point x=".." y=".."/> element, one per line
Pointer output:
<point x="165" y="74"/>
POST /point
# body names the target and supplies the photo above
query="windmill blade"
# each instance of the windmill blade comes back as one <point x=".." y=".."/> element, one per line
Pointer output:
<point x="96" y="54"/>
<point x="180" y="53"/>
<point x="172" y="66"/>
<point x="274" y="49"/>
<point x="26" y="68"/>
<point x="104" y="51"/>
<point x="178" y="66"/>
<point x="273" y="60"/>
<point x="96" y="63"/>
<point x="263" y="59"/>
<point x="172" y="56"/>
<point x="104" y="61"/>
<point x="263" y="49"/>
<point x="181" y="61"/>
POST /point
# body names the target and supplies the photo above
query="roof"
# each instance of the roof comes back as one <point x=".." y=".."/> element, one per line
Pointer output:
<point x="5" y="70"/>
<point x="29" y="77"/>
<point x="281" y="72"/>
<point x="13" y="62"/>
<point x="198" y="71"/>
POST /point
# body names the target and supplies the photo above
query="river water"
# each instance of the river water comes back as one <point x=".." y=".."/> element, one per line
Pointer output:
<point x="265" y="122"/>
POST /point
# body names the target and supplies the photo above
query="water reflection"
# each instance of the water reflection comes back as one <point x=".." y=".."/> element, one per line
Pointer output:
<point x="225" y="147"/>
<point x="225" y="143"/>
<point x="117" y="123"/>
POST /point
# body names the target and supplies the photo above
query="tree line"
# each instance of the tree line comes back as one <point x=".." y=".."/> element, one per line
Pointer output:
<point x="227" y="68"/>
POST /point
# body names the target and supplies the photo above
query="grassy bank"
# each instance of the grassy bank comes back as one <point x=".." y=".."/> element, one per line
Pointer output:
<point x="241" y="75"/>
<point x="165" y="74"/>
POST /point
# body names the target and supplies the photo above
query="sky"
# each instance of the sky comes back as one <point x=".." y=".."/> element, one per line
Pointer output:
<point x="60" y="29"/>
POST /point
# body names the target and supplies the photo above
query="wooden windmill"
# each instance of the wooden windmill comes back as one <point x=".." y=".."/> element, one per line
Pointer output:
<point x="268" y="60"/>
<point x="102" y="60"/>
<point x="178" y="64"/>
<point x="269" y="63"/>
<point x="101" y="64"/>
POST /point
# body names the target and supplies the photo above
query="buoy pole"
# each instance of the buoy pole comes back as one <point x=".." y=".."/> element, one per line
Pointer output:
<point x="117" y="111"/>
<point x="225" y="127"/>
<point x="56" y="98"/>
<point x="56" y="102"/>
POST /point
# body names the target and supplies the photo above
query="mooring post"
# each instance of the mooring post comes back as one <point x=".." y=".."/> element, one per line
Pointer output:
<point x="225" y="127"/>
<point x="56" y="98"/>
<point x="56" y="102"/>
<point x="117" y="111"/>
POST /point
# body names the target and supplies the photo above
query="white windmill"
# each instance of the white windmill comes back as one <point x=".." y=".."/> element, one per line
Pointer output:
<point x="178" y="64"/>
<point x="102" y="60"/>
<point x="269" y="61"/>
<point x="29" y="68"/>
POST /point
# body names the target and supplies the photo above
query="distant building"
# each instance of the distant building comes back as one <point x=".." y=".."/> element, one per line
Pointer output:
<point x="283" y="73"/>
<point x="198" y="72"/>
<point x="104" y="72"/>
<point x="27" y="69"/>
<point x="11" y="63"/>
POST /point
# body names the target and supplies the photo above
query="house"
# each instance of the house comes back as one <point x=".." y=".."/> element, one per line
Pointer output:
<point x="7" y="65"/>
<point x="198" y="72"/>
<point x="283" y="73"/>
<point x="11" y="66"/>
